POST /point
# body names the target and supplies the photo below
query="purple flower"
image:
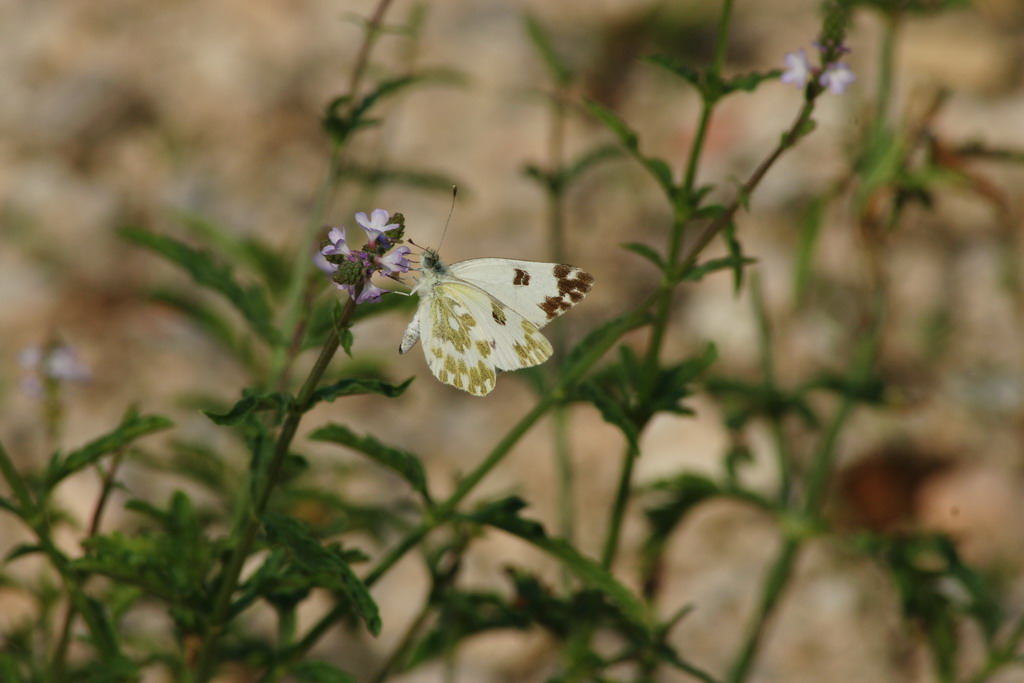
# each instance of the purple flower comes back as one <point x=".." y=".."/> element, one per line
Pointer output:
<point x="798" y="68"/>
<point x="837" y="77"/>
<point x="395" y="261"/>
<point x="54" y="363"/>
<point x="832" y="74"/>
<point x="351" y="270"/>
<point x="337" y="245"/>
<point x="375" y="226"/>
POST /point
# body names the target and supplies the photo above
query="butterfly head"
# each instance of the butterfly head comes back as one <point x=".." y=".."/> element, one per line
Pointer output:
<point x="431" y="262"/>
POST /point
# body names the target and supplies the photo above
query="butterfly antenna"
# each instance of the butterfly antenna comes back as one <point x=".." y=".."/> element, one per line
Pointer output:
<point x="455" y="191"/>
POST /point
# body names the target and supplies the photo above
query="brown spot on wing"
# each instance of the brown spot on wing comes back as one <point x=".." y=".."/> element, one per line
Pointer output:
<point x="573" y="284"/>
<point x="521" y="277"/>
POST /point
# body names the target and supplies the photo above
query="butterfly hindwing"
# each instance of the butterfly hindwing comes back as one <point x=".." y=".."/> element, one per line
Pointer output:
<point x="468" y="337"/>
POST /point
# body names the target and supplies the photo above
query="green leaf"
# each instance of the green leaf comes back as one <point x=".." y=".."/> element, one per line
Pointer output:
<point x="672" y="65"/>
<point x="239" y="249"/>
<point x="503" y="515"/>
<point x="132" y="427"/>
<point x="613" y="412"/>
<point x="810" y="229"/>
<point x="252" y="402"/>
<point x="321" y="566"/>
<point x="661" y="171"/>
<point x="697" y="272"/>
<point x="21" y="550"/>
<point x="557" y="68"/>
<point x="341" y="119"/>
<point x="315" y="671"/>
<point x="749" y="82"/>
<point x="251" y="302"/>
<point x="209" y="321"/>
<point x="461" y="614"/>
<point x="404" y="463"/>
<point x="393" y="176"/>
<point x="647" y="252"/>
<point x="598" y="341"/>
<point x="589" y="159"/>
<point x="356" y="386"/>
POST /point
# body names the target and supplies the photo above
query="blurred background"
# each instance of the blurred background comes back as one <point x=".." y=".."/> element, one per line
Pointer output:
<point x="117" y="113"/>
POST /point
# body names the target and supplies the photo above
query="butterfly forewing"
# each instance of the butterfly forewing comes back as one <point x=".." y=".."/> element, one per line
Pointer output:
<point x="540" y="292"/>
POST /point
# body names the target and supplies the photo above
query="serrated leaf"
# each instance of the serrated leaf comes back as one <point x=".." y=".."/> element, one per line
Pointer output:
<point x="132" y="427"/>
<point x="556" y="66"/>
<point x="355" y="386"/>
<point x="322" y="566"/>
<point x="503" y="515"/>
<point x="684" y="492"/>
<point x="251" y="302"/>
<point x="646" y="251"/>
<point x="612" y="412"/>
<point x="251" y="402"/>
<point x="404" y="463"/>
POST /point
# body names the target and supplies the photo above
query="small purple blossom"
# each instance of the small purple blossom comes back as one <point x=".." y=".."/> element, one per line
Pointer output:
<point x="832" y="74"/>
<point x="352" y="269"/>
<point x="837" y="77"/>
<point x="395" y="261"/>
<point x="51" y="364"/>
<point x="798" y="68"/>
<point x="375" y="226"/>
<point x="337" y="245"/>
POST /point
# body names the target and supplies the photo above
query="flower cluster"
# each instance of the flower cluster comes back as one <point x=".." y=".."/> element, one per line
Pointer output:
<point x="832" y="74"/>
<point x="49" y="366"/>
<point x="351" y="269"/>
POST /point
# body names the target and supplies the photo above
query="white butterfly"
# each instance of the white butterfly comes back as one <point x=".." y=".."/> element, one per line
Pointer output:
<point x="483" y="316"/>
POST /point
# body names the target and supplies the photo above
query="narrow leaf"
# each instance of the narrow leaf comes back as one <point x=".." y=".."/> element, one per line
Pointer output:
<point x="646" y="251"/>
<point x="588" y="571"/>
<point x="251" y="402"/>
<point x="558" y="69"/>
<point x="354" y="386"/>
<point x="251" y="302"/>
<point x="132" y="427"/>
<point x="404" y="463"/>
<point x="612" y="412"/>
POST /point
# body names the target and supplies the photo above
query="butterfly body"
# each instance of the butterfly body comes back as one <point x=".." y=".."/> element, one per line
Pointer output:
<point x="479" y="317"/>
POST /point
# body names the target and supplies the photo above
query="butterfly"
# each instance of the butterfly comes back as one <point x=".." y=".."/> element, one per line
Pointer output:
<point x="483" y="316"/>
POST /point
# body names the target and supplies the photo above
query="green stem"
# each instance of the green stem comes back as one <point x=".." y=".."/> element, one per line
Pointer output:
<point x="251" y="521"/>
<point x="60" y="651"/>
<point x="765" y="345"/>
<point x="775" y="583"/>
<point x="611" y="543"/>
<point x="302" y="266"/>
<point x="816" y="488"/>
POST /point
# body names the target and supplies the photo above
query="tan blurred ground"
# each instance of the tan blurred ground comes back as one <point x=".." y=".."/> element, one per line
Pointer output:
<point x="115" y="112"/>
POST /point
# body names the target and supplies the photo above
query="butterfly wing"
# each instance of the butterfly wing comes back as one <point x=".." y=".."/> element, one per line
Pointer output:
<point x="538" y="292"/>
<point x="468" y="336"/>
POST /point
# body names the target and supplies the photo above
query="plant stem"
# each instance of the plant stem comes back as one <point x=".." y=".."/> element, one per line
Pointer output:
<point x="60" y="651"/>
<point x="611" y="544"/>
<point x="251" y="521"/>
<point x="283" y="355"/>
